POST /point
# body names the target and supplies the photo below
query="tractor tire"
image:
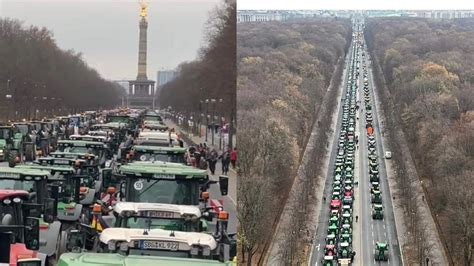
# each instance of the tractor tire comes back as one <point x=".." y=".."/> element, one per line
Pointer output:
<point x="29" y="153"/>
<point x="61" y="244"/>
<point x="11" y="158"/>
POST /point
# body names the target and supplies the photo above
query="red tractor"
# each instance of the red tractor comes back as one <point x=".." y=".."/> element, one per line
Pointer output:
<point x="19" y="233"/>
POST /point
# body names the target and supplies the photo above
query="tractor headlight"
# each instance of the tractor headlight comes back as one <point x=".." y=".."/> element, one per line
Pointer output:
<point x="1" y="151"/>
<point x="206" y="251"/>
<point x="194" y="251"/>
<point x="123" y="246"/>
<point x="111" y="245"/>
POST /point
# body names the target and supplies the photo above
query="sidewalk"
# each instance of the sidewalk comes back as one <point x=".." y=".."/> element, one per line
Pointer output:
<point x="195" y="139"/>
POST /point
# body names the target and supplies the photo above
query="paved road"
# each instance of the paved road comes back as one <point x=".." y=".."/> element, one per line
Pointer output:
<point x="322" y="227"/>
<point x="374" y="230"/>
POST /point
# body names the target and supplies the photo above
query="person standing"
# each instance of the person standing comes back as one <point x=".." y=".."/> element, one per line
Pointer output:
<point x="212" y="159"/>
<point x="233" y="157"/>
<point x="225" y="159"/>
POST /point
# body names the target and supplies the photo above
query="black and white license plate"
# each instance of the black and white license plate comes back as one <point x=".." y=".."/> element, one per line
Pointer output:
<point x="61" y="162"/>
<point x="155" y="244"/>
<point x="160" y="214"/>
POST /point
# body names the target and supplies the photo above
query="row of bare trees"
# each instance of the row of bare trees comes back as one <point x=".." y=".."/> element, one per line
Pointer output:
<point x="211" y="76"/>
<point x="36" y="75"/>
<point x="428" y="68"/>
<point x="284" y="69"/>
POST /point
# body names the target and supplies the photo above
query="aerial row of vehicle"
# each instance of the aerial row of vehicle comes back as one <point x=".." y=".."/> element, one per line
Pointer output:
<point x="381" y="247"/>
<point x="108" y="188"/>
<point x="338" y="249"/>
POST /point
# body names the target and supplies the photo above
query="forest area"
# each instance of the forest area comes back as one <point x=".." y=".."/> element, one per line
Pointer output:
<point x="212" y="75"/>
<point x="37" y="75"/>
<point x="428" y="66"/>
<point x="284" y="70"/>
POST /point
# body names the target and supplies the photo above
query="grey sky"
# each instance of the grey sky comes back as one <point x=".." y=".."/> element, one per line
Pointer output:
<point x="106" y="31"/>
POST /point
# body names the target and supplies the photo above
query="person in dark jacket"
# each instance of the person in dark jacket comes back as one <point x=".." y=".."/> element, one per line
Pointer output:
<point x="212" y="159"/>
<point x="225" y="159"/>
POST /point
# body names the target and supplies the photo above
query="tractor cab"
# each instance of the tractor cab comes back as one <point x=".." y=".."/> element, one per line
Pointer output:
<point x="11" y="147"/>
<point x="377" y="211"/>
<point x="345" y="250"/>
<point x="19" y="230"/>
<point x="376" y="197"/>
<point x="329" y="261"/>
<point x="79" y="146"/>
<point x="331" y="239"/>
<point x="335" y="204"/>
<point x="160" y="216"/>
<point x="381" y="251"/>
<point x="31" y="180"/>
<point x="88" y="175"/>
<point x="170" y="185"/>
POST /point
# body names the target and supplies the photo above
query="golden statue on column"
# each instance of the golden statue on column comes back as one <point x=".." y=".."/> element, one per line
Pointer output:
<point x="144" y="8"/>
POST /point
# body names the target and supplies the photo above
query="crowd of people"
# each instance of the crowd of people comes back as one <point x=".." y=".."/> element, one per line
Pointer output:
<point x="203" y="157"/>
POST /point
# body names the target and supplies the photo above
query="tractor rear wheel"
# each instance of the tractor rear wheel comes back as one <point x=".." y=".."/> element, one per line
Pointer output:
<point x="11" y="158"/>
<point x="29" y="153"/>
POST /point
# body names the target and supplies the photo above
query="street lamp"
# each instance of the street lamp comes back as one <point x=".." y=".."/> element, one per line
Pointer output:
<point x="207" y="116"/>
<point x="213" y="101"/>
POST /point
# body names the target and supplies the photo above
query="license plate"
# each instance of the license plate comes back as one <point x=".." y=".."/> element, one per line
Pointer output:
<point x="153" y="244"/>
<point x="163" y="176"/>
<point x="61" y="162"/>
<point x="160" y="214"/>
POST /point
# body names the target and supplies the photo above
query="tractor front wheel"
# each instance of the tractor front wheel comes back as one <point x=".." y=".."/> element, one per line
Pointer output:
<point x="12" y="157"/>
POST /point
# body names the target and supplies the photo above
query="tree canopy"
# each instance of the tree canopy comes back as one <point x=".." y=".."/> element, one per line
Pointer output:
<point x="428" y="66"/>
<point x="38" y="74"/>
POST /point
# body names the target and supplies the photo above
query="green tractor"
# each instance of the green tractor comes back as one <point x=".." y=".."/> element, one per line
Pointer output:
<point x="381" y="251"/>
<point x="11" y="147"/>
<point x="376" y="197"/>
<point x="377" y="211"/>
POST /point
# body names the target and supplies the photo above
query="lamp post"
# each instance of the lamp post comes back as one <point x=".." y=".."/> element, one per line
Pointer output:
<point x="213" y="101"/>
<point x="220" y="124"/>
<point x="207" y="116"/>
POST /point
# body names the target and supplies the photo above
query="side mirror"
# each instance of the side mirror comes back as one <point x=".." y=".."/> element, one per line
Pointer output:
<point x="224" y="184"/>
<point x="50" y="210"/>
<point x="32" y="233"/>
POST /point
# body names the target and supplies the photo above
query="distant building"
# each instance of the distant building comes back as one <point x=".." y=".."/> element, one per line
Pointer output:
<point x="164" y="76"/>
<point x="124" y="84"/>
<point x="444" y="14"/>
<point x="258" y="16"/>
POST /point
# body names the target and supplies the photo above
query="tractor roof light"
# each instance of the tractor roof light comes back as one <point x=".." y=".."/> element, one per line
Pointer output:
<point x="16" y="200"/>
<point x="7" y="201"/>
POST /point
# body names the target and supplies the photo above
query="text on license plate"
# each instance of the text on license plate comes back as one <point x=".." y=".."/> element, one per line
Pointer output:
<point x="154" y="244"/>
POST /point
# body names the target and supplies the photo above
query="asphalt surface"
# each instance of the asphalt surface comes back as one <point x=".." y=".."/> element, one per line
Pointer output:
<point x="369" y="231"/>
<point x="322" y="227"/>
<point x="374" y="230"/>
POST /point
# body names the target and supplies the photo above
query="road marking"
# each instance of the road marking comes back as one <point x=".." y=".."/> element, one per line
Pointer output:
<point x="318" y="246"/>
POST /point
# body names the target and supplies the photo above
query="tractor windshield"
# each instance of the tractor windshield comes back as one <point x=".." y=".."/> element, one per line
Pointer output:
<point x="5" y="133"/>
<point x="165" y="224"/>
<point x="171" y="158"/>
<point x="23" y="129"/>
<point x="181" y="192"/>
<point x="18" y="185"/>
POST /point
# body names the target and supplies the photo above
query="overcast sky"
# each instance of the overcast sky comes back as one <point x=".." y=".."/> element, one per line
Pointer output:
<point x="355" y="4"/>
<point x="106" y="31"/>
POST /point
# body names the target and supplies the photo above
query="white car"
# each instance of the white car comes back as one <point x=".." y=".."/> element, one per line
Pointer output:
<point x="388" y="155"/>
